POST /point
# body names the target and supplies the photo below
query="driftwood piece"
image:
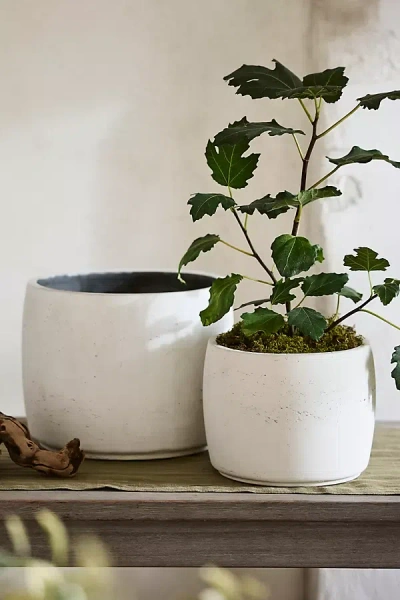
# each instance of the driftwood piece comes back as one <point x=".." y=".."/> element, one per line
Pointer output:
<point x="27" y="453"/>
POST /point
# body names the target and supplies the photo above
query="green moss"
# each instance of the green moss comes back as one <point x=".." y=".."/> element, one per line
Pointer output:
<point x="339" y="338"/>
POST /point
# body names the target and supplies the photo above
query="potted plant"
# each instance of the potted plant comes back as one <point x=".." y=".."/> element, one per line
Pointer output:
<point x="289" y="392"/>
<point x="116" y="359"/>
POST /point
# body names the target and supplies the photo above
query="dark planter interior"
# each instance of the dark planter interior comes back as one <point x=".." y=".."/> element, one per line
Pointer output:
<point x="127" y="283"/>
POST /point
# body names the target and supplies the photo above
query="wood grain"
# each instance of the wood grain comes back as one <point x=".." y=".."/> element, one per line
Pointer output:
<point x="235" y="530"/>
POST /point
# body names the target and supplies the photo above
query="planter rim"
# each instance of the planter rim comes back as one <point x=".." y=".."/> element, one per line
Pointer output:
<point x="34" y="282"/>
<point x="213" y="342"/>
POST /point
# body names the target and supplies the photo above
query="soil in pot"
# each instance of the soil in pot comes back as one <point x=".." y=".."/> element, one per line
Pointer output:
<point x="340" y="338"/>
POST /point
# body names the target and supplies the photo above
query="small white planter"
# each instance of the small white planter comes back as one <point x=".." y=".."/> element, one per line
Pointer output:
<point x="116" y="359"/>
<point x="289" y="419"/>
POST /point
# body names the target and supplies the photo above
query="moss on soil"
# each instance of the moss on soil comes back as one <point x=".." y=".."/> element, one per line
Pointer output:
<point x="341" y="337"/>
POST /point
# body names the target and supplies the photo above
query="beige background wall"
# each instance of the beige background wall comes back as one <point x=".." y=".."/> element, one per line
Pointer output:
<point x="105" y="111"/>
<point x="364" y="37"/>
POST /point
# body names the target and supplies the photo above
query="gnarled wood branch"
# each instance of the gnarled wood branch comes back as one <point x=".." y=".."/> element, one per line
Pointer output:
<point x="26" y="453"/>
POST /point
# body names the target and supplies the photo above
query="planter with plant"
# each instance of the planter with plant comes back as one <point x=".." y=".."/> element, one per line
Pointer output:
<point x="289" y="393"/>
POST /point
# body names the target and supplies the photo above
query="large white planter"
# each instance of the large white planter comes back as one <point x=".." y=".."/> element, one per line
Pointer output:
<point x="289" y="419"/>
<point x="116" y="359"/>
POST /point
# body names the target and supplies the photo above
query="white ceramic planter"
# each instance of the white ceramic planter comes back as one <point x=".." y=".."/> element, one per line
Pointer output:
<point x="289" y="419"/>
<point x="116" y="360"/>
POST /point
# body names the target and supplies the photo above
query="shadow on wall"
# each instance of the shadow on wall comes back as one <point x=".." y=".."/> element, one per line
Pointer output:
<point x="345" y="16"/>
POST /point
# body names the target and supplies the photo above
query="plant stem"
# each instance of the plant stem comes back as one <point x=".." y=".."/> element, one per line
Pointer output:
<point x="335" y="316"/>
<point x="303" y="181"/>
<point x="370" y="283"/>
<point x="346" y="116"/>
<point x="381" y="318"/>
<point x="314" y="185"/>
<point x="250" y="243"/>
<point x="306" y="161"/>
<point x="236" y="248"/>
<point x="304" y="107"/>
<point x="257" y="280"/>
<point x="301" y="302"/>
<point x="296" y="141"/>
<point x="246" y="218"/>
<point x="352" y="312"/>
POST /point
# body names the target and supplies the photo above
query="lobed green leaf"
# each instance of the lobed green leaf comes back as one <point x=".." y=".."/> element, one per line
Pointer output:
<point x="388" y="290"/>
<point x="207" y="204"/>
<point x="281" y="291"/>
<point x="324" y="284"/>
<point x="228" y="165"/>
<point x="201" y="244"/>
<point x="280" y="82"/>
<point x="294" y="254"/>
<point x="308" y="196"/>
<point x="245" y="131"/>
<point x="349" y="292"/>
<point x="328" y="85"/>
<point x="262" y="319"/>
<point x="261" y="82"/>
<point x="373" y="101"/>
<point x="365" y="259"/>
<point x="308" y="321"/>
<point x="222" y="295"/>
<point x="359" y="155"/>
<point x="284" y="201"/>
<point x="396" y="371"/>
<point x="272" y="207"/>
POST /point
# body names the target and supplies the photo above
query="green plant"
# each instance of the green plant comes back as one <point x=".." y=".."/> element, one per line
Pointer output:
<point x="47" y="579"/>
<point x="291" y="254"/>
<point x="93" y="580"/>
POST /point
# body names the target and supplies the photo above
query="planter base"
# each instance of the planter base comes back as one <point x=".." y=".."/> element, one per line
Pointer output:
<point x="145" y="456"/>
<point x="292" y="484"/>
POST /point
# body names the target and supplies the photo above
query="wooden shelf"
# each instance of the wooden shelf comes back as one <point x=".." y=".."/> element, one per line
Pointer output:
<point x="228" y="529"/>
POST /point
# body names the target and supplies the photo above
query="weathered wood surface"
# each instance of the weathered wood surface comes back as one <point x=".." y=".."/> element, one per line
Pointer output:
<point x="183" y="529"/>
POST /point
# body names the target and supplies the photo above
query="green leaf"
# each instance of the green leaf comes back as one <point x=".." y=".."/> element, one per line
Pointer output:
<point x="319" y="253"/>
<point x="201" y="244"/>
<point x="294" y="254"/>
<point x="280" y="82"/>
<point x="228" y="165"/>
<point x="261" y="82"/>
<point x="207" y="204"/>
<point x="324" y="284"/>
<point x="243" y="130"/>
<point x="359" y="155"/>
<point x="281" y="292"/>
<point x="365" y="259"/>
<point x="373" y="101"/>
<point x="308" y="322"/>
<point x="396" y="371"/>
<point x="262" y="319"/>
<point x="311" y="195"/>
<point x="388" y="290"/>
<point x="222" y="295"/>
<point x="328" y="85"/>
<point x="253" y="303"/>
<point x="272" y="207"/>
<point x="349" y="292"/>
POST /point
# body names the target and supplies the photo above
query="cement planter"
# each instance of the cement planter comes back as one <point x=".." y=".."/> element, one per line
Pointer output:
<point x="116" y="360"/>
<point x="289" y="419"/>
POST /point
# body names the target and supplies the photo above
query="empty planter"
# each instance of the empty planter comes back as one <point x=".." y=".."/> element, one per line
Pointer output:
<point x="116" y="360"/>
